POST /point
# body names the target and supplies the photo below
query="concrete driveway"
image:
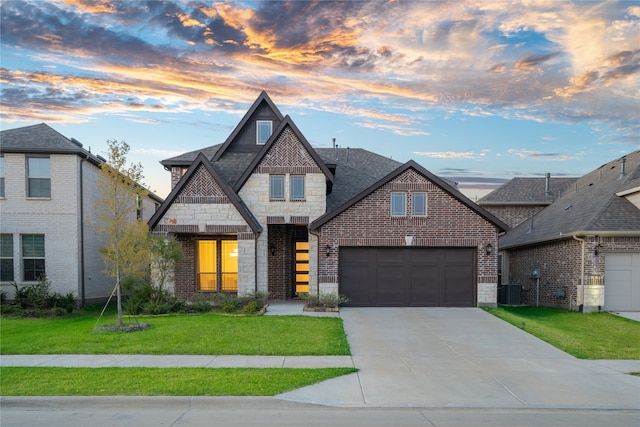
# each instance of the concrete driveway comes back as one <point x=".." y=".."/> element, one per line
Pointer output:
<point x="465" y="357"/>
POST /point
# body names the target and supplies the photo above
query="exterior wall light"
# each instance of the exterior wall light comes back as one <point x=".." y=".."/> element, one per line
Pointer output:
<point x="489" y="249"/>
<point x="597" y="249"/>
<point x="328" y="249"/>
<point x="272" y="248"/>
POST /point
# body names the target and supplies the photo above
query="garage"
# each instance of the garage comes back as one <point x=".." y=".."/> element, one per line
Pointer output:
<point x="407" y="276"/>
<point x="622" y="282"/>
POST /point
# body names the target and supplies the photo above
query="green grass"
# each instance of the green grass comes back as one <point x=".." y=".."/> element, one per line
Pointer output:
<point x="200" y="334"/>
<point x="586" y="336"/>
<point x="159" y="381"/>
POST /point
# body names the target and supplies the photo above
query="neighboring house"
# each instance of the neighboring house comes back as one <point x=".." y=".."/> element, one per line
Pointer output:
<point x="582" y="250"/>
<point x="264" y="211"/>
<point x="48" y="186"/>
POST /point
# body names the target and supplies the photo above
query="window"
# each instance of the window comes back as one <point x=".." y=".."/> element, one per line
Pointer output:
<point x="398" y="204"/>
<point x="217" y="265"/>
<point x="276" y="187"/>
<point x="296" y="187"/>
<point x="6" y="258"/>
<point x="418" y="204"/>
<point x="263" y="131"/>
<point x="1" y="176"/>
<point x="38" y="177"/>
<point x="32" y="256"/>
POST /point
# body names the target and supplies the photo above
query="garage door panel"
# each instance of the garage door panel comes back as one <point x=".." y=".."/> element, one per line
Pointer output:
<point x="622" y="282"/>
<point x="423" y="290"/>
<point x="423" y="277"/>
<point x="458" y="288"/>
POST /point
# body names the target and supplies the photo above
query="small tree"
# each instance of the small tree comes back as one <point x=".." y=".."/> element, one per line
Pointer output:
<point x="126" y="237"/>
<point x="165" y="254"/>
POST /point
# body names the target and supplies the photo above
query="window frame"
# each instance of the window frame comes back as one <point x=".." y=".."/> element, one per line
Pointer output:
<point x="222" y="276"/>
<point x="259" y="124"/>
<point x="30" y="176"/>
<point x="6" y="255"/>
<point x="272" y="181"/>
<point x="32" y="273"/>
<point x="292" y="179"/>
<point x="395" y="203"/>
<point x="413" y="204"/>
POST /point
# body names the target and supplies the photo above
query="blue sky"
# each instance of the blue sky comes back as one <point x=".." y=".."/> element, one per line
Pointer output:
<point x="478" y="92"/>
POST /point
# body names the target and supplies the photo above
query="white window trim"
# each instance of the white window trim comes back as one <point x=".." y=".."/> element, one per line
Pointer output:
<point x="404" y="205"/>
<point x="258" y="123"/>
<point x="413" y="204"/>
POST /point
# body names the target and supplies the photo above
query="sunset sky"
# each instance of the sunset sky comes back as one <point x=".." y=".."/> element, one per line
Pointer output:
<point x="477" y="92"/>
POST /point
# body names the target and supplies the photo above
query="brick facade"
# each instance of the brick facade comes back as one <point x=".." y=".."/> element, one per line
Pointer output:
<point x="513" y="215"/>
<point x="560" y="265"/>
<point x="448" y="223"/>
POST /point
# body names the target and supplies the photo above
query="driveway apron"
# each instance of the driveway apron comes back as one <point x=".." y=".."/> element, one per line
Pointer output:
<point x="463" y="357"/>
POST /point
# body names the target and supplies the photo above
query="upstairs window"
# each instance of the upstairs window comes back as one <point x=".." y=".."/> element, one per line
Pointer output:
<point x="33" y="257"/>
<point x="276" y="187"/>
<point x="263" y="131"/>
<point x="1" y="176"/>
<point x="398" y="204"/>
<point x="296" y="190"/>
<point x="38" y="177"/>
<point x="418" y="204"/>
<point x="6" y="258"/>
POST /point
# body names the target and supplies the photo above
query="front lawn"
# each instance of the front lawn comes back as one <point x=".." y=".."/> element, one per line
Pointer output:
<point x="585" y="336"/>
<point x="199" y="334"/>
<point x="159" y="381"/>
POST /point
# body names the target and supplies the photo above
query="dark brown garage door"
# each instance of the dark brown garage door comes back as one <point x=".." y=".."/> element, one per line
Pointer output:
<point x="408" y="277"/>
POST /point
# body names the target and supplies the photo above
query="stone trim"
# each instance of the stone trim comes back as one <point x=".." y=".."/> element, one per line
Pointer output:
<point x="417" y="241"/>
<point x="328" y="279"/>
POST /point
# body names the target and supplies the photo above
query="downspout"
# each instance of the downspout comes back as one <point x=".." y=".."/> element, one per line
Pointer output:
<point x="581" y="306"/>
<point x="81" y="290"/>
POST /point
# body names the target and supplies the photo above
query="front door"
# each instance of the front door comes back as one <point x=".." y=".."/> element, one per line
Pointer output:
<point x="300" y="261"/>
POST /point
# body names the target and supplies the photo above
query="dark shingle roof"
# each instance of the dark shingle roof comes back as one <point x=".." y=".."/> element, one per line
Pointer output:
<point x="37" y="139"/>
<point x="354" y="172"/>
<point x="185" y="159"/>
<point x="588" y="206"/>
<point x="527" y="191"/>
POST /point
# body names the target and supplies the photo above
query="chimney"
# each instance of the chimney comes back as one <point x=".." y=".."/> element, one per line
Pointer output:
<point x="622" y="171"/>
<point x="547" y="185"/>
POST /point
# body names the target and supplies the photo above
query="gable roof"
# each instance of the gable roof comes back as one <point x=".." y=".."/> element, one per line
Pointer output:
<point x="247" y="117"/>
<point x="286" y="122"/>
<point x="527" y="191"/>
<point x="202" y="160"/>
<point x="589" y="207"/>
<point x="439" y="182"/>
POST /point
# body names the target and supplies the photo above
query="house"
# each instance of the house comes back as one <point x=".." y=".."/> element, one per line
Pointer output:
<point x="582" y="249"/>
<point x="265" y="211"/>
<point x="48" y="185"/>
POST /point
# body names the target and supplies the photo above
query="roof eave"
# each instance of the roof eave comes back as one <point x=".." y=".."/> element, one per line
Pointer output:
<point x="583" y="233"/>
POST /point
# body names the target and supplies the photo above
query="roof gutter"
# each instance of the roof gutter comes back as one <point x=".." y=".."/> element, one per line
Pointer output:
<point x="609" y="233"/>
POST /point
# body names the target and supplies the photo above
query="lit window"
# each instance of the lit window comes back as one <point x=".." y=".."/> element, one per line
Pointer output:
<point x="211" y="254"/>
<point x="276" y="187"/>
<point x="39" y="177"/>
<point x="6" y="258"/>
<point x="263" y="131"/>
<point x="296" y="184"/>
<point x="398" y="204"/>
<point x="33" y="256"/>
<point x="1" y="176"/>
<point x="418" y="204"/>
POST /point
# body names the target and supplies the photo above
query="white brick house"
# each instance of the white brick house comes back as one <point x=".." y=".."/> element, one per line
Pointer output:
<point x="264" y="211"/>
<point x="48" y="185"/>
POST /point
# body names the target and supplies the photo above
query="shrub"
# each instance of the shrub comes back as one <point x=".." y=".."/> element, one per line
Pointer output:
<point x="144" y="297"/>
<point x="328" y="300"/>
<point x="59" y="311"/>
<point x="37" y="300"/>
<point x="250" y="308"/>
